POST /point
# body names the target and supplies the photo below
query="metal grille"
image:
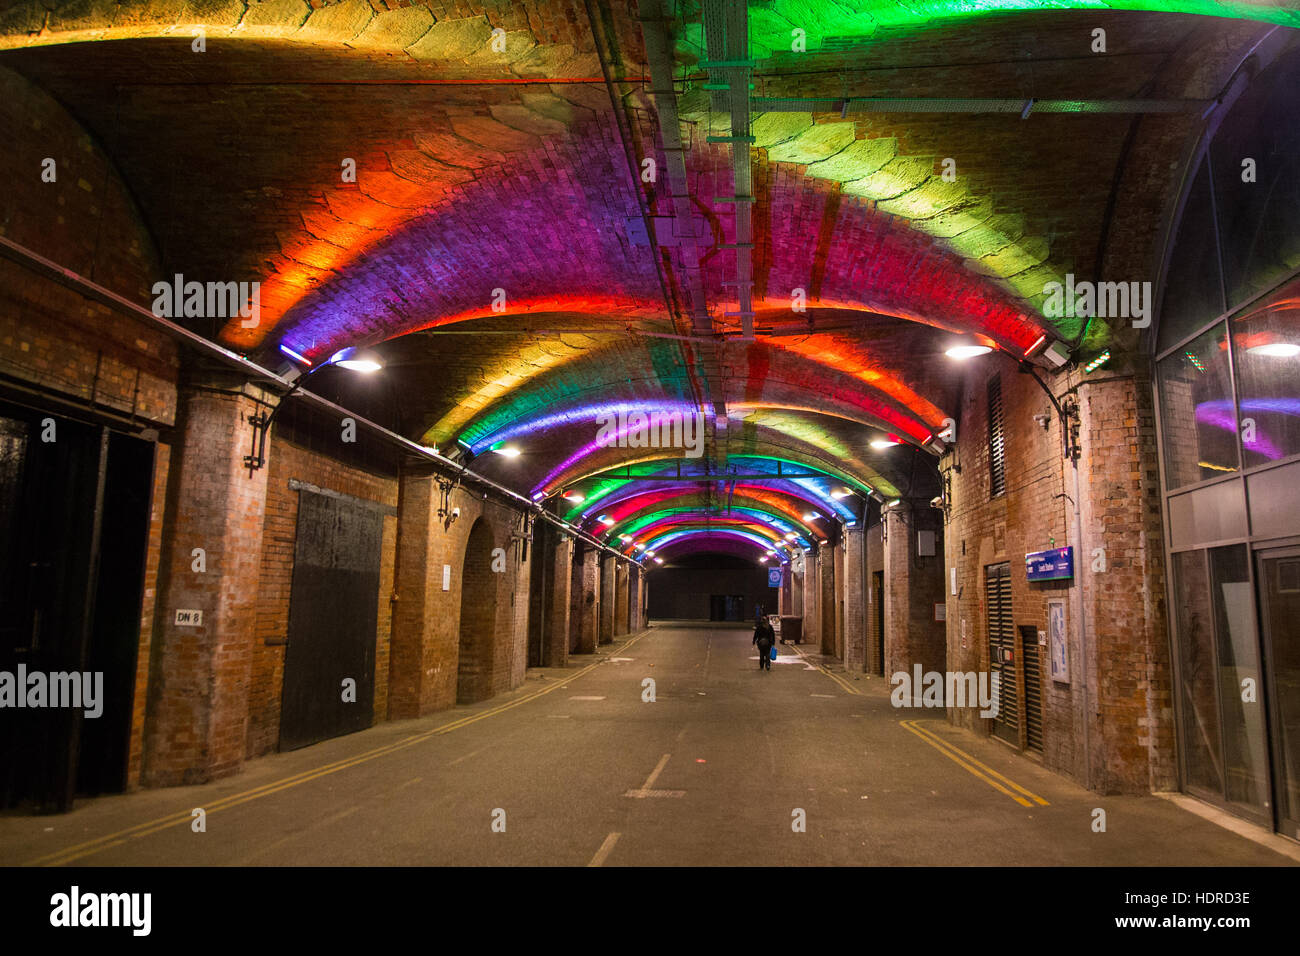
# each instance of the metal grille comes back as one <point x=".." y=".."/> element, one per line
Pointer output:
<point x="997" y="450"/>
<point x="1002" y="642"/>
<point x="1030" y="653"/>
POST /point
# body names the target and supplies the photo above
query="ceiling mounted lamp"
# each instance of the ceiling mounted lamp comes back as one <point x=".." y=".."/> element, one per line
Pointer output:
<point x="1276" y="350"/>
<point x="574" y="495"/>
<point x="606" y="520"/>
<point x="650" y="554"/>
<point x="638" y="547"/>
<point x="791" y="536"/>
<point x="811" y="516"/>
<point x="839" y="494"/>
<point x="880" y="444"/>
<point x="625" y="538"/>
<point x="763" y="560"/>
<point x="357" y="360"/>
<point x="506" y="451"/>
<point x="895" y="503"/>
<point x="659" y="560"/>
<point x="967" y="350"/>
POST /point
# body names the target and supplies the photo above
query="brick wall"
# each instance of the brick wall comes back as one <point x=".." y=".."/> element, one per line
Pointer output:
<point x="289" y="461"/>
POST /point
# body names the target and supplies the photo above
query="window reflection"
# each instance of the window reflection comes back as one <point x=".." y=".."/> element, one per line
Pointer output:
<point x="1196" y="410"/>
<point x="1266" y="347"/>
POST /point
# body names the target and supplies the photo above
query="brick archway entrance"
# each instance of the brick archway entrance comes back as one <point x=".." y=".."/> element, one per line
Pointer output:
<point x="477" y="617"/>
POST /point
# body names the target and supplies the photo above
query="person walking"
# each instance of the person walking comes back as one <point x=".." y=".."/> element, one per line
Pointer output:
<point x="764" y="638"/>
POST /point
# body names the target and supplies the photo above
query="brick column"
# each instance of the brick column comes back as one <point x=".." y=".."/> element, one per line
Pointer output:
<point x="811" y="591"/>
<point x="556" y="642"/>
<point x="620" y="598"/>
<point x="197" y="718"/>
<point x="827" y="603"/>
<point x="855" y="607"/>
<point x="590" y="627"/>
<point x="636" y="594"/>
<point x="913" y="585"/>
<point x="607" y="598"/>
<point x="413" y="582"/>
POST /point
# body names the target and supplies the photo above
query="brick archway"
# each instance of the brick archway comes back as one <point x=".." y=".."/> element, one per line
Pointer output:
<point x="477" y="617"/>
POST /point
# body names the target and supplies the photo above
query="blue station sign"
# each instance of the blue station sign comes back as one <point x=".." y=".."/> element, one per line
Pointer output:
<point x="1054" y="565"/>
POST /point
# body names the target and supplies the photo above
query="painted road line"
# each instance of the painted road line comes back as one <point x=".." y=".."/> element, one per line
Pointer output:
<point x="68" y="854"/>
<point x="586" y="698"/>
<point x="987" y="769"/>
<point x="605" y="850"/>
<point x="654" y="774"/>
<point x="907" y="725"/>
<point x="835" y="677"/>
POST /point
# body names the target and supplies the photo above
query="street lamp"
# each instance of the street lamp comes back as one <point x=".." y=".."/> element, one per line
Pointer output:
<point x="362" y="361"/>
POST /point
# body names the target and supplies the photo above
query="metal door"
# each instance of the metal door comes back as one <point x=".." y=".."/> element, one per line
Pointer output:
<point x="1032" y="671"/>
<point x="1002" y="654"/>
<point x="333" y="612"/>
<point x="1278" y="577"/>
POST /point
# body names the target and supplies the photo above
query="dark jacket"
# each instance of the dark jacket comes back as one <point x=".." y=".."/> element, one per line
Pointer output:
<point x="763" y="632"/>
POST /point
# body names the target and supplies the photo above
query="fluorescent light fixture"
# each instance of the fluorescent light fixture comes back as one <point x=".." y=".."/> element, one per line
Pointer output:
<point x="770" y="554"/>
<point x="888" y="442"/>
<point x="791" y="536"/>
<point x="606" y="520"/>
<point x="1101" y="360"/>
<point x="850" y="523"/>
<point x="659" y="560"/>
<point x="625" y="537"/>
<point x="967" y="351"/>
<point x="294" y="355"/>
<point x="507" y="451"/>
<point x="895" y="503"/>
<point x="811" y="516"/>
<point x="1037" y="342"/>
<point x="650" y="554"/>
<point x="357" y="360"/>
<point x="1276" y="350"/>
<point x="840" y="493"/>
<point x="574" y="495"/>
<point x="763" y="560"/>
<point x="638" y="547"/>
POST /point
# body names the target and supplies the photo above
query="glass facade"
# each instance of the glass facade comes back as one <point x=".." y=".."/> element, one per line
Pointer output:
<point x="1227" y="381"/>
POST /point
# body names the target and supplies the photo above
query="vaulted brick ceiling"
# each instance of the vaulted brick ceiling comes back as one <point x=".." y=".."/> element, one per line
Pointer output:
<point x="500" y="161"/>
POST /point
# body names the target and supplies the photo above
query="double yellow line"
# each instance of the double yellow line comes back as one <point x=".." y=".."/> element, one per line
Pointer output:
<point x="68" y="854"/>
<point x="849" y="688"/>
<point x="966" y="761"/>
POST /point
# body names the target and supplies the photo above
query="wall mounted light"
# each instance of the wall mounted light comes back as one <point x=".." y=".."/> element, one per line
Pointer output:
<point x="962" y="352"/>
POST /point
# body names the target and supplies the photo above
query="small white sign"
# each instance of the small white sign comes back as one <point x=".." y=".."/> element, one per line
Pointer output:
<point x="446" y="577"/>
<point x="953" y="569"/>
<point x="189" y="618"/>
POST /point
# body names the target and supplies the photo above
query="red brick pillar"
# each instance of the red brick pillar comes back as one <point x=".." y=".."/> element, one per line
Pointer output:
<point x="590" y="627"/>
<point x="620" y="598"/>
<point x="196" y="725"/>
<point x="556" y="642"/>
<point x="811" y="590"/>
<point x="855" y="607"/>
<point x="636" y="594"/>
<point x="607" y="598"/>
<point x="913" y="586"/>
<point x="827" y="602"/>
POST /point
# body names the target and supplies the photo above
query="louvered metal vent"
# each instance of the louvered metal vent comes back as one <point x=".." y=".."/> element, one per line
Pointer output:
<point x="997" y="447"/>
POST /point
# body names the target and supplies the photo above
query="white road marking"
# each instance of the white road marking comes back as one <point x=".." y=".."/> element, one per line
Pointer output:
<point x="586" y="698"/>
<point x="639" y="794"/>
<point x="654" y="774"/>
<point x="605" y="849"/>
<point x="821" y="695"/>
<point x="558" y="716"/>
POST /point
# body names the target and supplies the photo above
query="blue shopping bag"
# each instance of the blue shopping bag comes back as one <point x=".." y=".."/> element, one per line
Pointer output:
<point x="773" y="652"/>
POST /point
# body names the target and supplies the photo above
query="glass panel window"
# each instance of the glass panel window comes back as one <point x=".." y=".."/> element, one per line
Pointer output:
<point x="1197" y="416"/>
<point x="1266" y="349"/>
<point x="1193" y="294"/>
<point x="1245" y="761"/>
<point x="1196" y="692"/>
<point x="1256" y="153"/>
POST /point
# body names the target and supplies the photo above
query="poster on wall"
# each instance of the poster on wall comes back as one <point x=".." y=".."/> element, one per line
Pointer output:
<point x="1059" y="655"/>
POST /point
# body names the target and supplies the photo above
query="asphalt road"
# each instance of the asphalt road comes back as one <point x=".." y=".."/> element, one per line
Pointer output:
<point x="575" y="768"/>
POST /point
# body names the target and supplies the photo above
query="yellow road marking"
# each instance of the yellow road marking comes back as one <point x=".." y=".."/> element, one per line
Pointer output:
<point x="835" y="677"/>
<point x="68" y="854"/>
<point x="969" y="763"/>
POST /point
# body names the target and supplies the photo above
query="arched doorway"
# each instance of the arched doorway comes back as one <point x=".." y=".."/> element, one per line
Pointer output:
<point x="477" y="617"/>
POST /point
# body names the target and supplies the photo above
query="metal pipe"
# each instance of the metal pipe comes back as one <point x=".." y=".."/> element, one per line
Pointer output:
<point x="93" y="290"/>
